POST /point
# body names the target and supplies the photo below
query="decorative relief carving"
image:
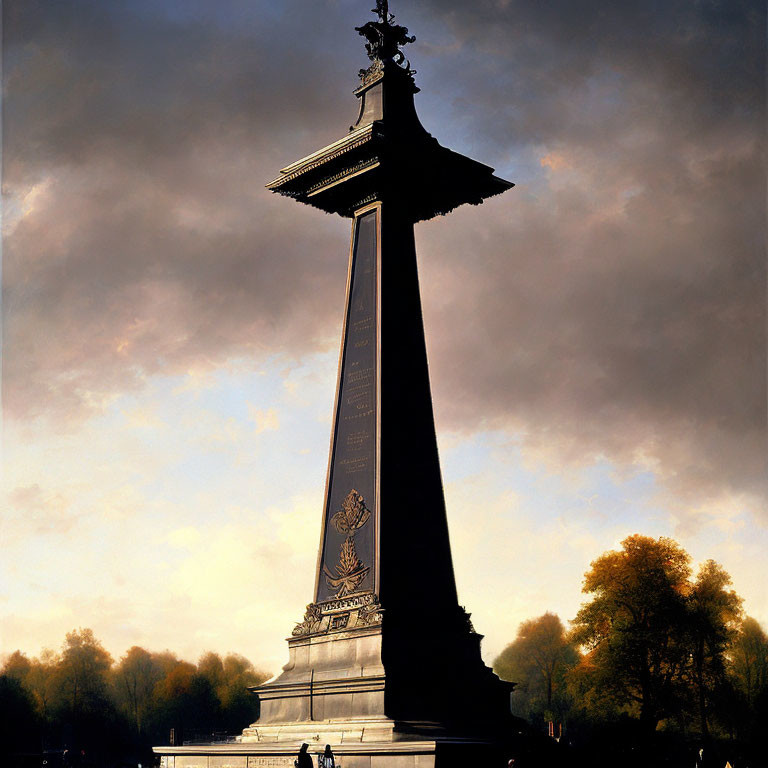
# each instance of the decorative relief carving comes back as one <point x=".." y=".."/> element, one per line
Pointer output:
<point x="311" y="622"/>
<point x="372" y="74"/>
<point x="383" y="37"/>
<point x="358" y="611"/>
<point x="353" y="513"/>
<point x="370" y="614"/>
<point x="350" y="570"/>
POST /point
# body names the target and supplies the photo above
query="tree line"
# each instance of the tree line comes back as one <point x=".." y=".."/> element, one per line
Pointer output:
<point x="101" y="710"/>
<point x="657" y="664"/>
<point x="655" y="657"/>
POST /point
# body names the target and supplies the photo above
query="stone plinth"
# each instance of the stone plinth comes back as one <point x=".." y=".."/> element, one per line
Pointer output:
<point x="331" y="691"/>
<point x="437" y="753"/>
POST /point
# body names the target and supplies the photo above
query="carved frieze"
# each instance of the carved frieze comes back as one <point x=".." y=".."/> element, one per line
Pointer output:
<point x="349" y="171"/>
<point x="353" y="612"/>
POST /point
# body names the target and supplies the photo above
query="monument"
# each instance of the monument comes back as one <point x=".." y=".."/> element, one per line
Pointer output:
<point x="385" y="665"/>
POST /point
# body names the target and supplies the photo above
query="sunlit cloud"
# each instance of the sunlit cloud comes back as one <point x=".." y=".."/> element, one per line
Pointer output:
<point x="555" y="161"/>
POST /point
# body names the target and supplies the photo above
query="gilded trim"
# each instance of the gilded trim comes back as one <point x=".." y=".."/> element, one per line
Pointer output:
<point x="355" y="139"/>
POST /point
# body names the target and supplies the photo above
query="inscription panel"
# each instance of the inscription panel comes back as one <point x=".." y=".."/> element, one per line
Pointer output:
<point x="347" y="559"/>
<point x="184" y="761"/>
<point x="229" y="761"/>
<point x="348" y="603"/>
<point x="270" y="761"/>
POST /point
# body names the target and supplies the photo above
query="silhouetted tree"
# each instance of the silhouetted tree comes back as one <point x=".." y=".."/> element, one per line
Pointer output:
<point x="714" y="613"/>
<point x="537" y="661"/>
<point x="41" y="681"/>
<point x="20" y="726"/>
<point x="83" y="712"/>
<point x="747" y="713"/>
<point x="748" y="660"/>
<point x="211" y="667"/>
<point x="239" y="705"/>
<point x="83" y="674"/>
<point x="185" y="701"/>
<point x="135" y="678"/>
<point x="80" y="699"/>
<point x="17" y="666"/>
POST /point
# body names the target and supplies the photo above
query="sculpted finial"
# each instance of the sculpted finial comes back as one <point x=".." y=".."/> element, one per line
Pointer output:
<point x="382" y="9"/>
<point x="383" y="36"/>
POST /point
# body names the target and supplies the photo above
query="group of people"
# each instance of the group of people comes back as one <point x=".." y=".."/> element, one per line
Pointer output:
<point x="304" y="759"/>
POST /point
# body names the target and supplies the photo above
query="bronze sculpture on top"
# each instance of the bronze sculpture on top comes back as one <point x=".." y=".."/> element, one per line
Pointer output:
<point x="387" y="156"/>
<point x="385" y="661"/>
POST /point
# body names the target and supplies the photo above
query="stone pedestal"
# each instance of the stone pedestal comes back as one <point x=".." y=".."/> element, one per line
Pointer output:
<point x="437" y="753"/>
<point x="332" y="682"/>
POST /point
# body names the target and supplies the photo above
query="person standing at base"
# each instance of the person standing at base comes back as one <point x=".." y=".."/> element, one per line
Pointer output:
<point x="304" y="759"/>
<point x="327" y="760"/>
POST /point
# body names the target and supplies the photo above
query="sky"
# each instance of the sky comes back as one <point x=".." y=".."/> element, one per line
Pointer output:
<point x="596" y="335"/>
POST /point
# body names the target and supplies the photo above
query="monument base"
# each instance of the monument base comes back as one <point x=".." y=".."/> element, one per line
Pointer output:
<point x="373" y="729"/>
<point x="432" y="753"/>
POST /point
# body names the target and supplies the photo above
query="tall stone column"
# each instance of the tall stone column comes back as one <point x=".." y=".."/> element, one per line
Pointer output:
<point x="385" y="662"/>
<point x="385" y="622"/>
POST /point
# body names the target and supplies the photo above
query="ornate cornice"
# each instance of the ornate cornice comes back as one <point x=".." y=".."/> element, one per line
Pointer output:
<point x="349" y="171"/>
<point x="324" y="156"/>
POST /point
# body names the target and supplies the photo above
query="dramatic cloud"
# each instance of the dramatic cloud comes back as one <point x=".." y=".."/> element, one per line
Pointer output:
<point x="142" y="239"/>
<point x="622" y="306"/>
<point x="612" y="305"/>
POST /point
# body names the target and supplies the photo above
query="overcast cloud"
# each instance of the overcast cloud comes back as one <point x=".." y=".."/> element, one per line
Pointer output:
<point x="612" y="304"/>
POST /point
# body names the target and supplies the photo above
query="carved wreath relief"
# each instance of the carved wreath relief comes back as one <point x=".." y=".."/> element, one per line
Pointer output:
<point x="311" y="621"/>
<point x="350" y="570"/>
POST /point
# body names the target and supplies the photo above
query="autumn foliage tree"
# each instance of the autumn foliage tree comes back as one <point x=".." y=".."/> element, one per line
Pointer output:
<point x="657" y="641"/>
<point x="135" y="678"/>
<point x="714" y="614"/>
<point x="748" y="660"/>
<point x="80" y="698"/>
<point x="83" y="674"/>
<point x="237" y="703"/>
<point x="537" y="661"/>
<point x="633" y="627"/>
<point x="747" y="667"/>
